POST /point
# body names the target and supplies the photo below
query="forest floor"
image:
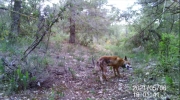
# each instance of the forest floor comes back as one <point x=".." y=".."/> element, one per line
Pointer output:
<point x="72" y="76"/>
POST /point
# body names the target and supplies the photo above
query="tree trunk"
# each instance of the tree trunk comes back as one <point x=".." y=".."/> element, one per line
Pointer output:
<point x="72" y="31"/>
<point x="72" y="24"/>
<point x="15" y="26"/>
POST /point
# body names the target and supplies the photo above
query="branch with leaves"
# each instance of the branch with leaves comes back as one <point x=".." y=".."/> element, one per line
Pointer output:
<point x="3" y="8"/>
<point x="48" y="25"/>
<point x="142" y="31"/>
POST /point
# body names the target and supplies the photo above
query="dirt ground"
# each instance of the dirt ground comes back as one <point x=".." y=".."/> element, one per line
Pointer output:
<point x="73" y="76"/>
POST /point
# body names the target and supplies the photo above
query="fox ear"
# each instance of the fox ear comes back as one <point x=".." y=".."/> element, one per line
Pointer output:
<point x="125" y="58"/>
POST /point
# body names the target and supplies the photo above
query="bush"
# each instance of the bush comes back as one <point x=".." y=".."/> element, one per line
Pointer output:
<point x="168" y="52"/>
<point x="17" y="79"/>
<point x="84" y="39"/>
<point x="20" y="80"/>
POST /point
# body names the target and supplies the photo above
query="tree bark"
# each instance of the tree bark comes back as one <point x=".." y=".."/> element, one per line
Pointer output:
<point x="15" y="26"/>
<point x="72" y="24"/>
<point x="72" y="31"/>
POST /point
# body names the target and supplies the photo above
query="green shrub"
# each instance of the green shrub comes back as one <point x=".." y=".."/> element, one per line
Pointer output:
<point x="19" y="80"/>
<point x="2" y="70"/>
<point x="84" y="39"/>
<point x="168" y="52"/>
<point x="58" y="37"/>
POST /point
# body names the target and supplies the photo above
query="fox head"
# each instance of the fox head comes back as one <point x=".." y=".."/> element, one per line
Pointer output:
<point x="127" y="64"/>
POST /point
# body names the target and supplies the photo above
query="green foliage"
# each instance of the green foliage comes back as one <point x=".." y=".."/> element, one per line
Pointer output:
<point x="56" y="93"/>
<point x="59" y="37"/>
<point x="84" y="39"/>
<point x="118" y="50"/>
<point x="19" y="80"/>
<point x="169" y="80"/>
<point x="6" y="46"/>
<point x="2" y="70"/>
<point x="168" y="58"/>
<point x="4" y="25"/>
<point x="46" y="61"/>
<point x="52" y="95"/>
<point x="60" y="93"/>
<point x="168" y="52"/>
<point x="3" y="46"/>
<point x="139" y="72"/>
<point x="4" y="35"/>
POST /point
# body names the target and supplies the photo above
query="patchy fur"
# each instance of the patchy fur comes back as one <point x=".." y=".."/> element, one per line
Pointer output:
<point x="113" y="61"/>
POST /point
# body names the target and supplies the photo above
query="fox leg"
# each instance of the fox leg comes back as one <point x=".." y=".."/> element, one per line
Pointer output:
<point x="103" y="72"/>
<point x="118" y="72"/>
<point x="104" y="76"/>
<point x="114" y="71"/>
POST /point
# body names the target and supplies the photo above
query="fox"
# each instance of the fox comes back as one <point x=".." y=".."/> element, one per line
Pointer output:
<point x="113" y="61"/>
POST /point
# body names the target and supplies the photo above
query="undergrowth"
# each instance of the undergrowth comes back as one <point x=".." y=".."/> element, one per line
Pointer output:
<point x="17" y="74"/>
<point x="163" y="65"/>
<point x="153" y="66"/>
